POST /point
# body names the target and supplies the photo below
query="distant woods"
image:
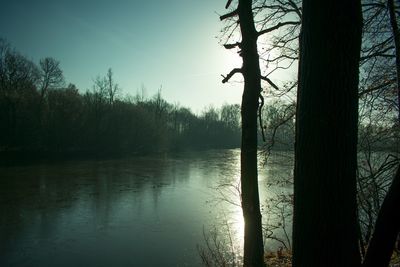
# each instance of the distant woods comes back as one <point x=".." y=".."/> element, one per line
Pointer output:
<point x="39" y="113"/>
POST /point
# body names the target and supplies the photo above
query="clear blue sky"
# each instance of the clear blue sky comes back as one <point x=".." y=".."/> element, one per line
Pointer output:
<point x="170" y="43"/>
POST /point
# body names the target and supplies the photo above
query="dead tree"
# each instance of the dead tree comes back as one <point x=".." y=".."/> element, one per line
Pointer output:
<point x="253" y="238"/>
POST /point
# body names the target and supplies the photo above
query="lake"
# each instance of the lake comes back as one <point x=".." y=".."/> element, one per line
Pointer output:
<point x="140" y="211"/>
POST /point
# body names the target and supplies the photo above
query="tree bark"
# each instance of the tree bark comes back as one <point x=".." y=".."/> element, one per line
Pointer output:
<point x="386" y="229"/>
<point x="325" y="207"/>
<point x="253" y="241"/>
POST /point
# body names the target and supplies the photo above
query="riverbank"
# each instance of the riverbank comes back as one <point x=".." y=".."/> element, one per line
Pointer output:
<point x="23" y="157"/>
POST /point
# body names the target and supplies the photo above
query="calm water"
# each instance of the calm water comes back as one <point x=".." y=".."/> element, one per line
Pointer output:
<point x="144" y="211"/>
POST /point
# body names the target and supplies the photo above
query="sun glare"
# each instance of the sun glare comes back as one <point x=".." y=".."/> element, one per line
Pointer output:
<point x="233" y="60"/>
<point x="237" y="225"/>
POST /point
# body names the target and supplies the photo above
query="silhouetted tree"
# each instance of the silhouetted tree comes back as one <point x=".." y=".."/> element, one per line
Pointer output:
<point x="112" y="87"/>
<point x="253" y="241"/>
<point x="51" y="76"/>
<point x="325" y="207"/>
<point x="279" y="126"/>
<point x="230" y="116"/>
<point x="18" y="95"/>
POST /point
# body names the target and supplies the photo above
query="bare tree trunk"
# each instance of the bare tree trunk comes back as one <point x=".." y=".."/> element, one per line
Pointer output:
<point x="387" y="228"/>
<point x="253" y="241"/>
<point x="325" y="207"/>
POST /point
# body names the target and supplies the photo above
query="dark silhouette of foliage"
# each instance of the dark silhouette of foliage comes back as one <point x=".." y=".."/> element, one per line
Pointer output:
<point x="41" y="116"/>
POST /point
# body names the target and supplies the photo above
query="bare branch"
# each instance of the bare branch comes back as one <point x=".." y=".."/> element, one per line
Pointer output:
<point x="281" y="8"/>
<point x="230" y="74"/>
<point x="229" y="15"/>
<point x="373" y="5"/>
<point x="296" y="8"/>
<point x="379" y="54"/>
<point x="231" y="46"/>
<point x="268" y="80"/>
<point x="380" y="86"/>
<point x="228" y="4"/>
<point x="277" y="26"/>
<point x="280" y="58"/>
<point x="260" y="116"/>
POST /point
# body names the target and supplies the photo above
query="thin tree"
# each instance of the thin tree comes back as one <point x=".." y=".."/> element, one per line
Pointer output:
<point x="112" y="87"/>
<point x="325" y="207"/>
<point x="106" y="88"/>
<point x="253" y="240"/>
<point x="50" y="77"/>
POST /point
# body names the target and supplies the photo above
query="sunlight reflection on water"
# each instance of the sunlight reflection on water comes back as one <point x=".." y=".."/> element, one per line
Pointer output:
<point x="120" y="209"/>
<point x="278" y="168"/>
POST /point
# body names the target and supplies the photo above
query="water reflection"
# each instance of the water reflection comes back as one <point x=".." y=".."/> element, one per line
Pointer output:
<point x="146" y="211"/>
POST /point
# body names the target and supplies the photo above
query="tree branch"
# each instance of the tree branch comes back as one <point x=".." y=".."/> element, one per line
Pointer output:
<point x="277" y="26"/>
<point x="231" y="46"/>
<point x="260" y="116"/>
<point x="380" y="86"/>
<point x="228" y="4"/>
<point x="268" y="80"/>
<point x="229" y="15"/>
<point x="296" y="8"/>
<point x="230" y="74"/>
<point x="379" y="54"/>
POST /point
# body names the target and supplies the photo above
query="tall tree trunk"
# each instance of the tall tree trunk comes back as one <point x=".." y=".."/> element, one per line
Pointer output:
<point x="253" y="241"/>
<point x="325" y="208"/>
<point x="386" y="229"/>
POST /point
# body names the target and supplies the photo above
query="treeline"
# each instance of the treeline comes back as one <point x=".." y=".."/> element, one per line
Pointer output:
<point x="373" y="135"/>
<point x="39" y="114"/>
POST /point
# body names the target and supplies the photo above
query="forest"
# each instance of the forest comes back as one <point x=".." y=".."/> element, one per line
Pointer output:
<point x="41" y="115"/>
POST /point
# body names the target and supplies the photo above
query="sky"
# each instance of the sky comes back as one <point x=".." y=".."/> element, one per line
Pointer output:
<point x="173" y="45"/>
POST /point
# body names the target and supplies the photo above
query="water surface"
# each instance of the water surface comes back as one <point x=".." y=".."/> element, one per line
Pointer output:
<point x="142" y="211"/>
